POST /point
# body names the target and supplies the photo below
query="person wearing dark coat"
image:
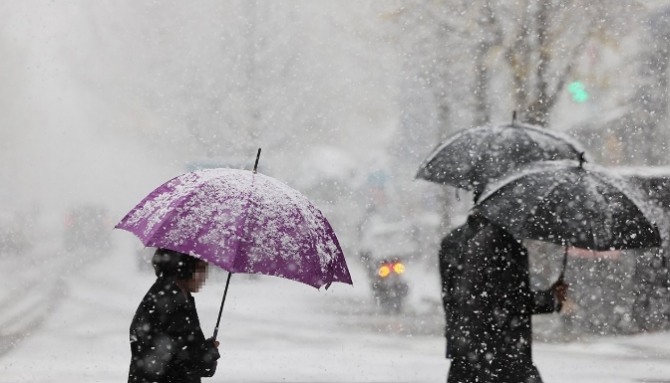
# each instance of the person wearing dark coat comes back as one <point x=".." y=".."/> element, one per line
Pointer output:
<point x="488" y="304"/>
<point x="166" y="341"/>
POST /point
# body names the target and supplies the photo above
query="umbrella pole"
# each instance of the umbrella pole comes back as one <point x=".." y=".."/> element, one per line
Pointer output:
<point x="561" y="277"/>
<point x="225" y="292"/>
<point x="258" y="156"/>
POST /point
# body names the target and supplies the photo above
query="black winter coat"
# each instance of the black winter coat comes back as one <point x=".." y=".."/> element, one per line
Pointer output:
<point x="166" y="341"/>
<point x="488" y="302"/>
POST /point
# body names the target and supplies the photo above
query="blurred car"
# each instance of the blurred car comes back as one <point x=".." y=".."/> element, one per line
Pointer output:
<point x="386" y="247"/>
<point x="87" y="227"/>
<point x="388" y="283"/>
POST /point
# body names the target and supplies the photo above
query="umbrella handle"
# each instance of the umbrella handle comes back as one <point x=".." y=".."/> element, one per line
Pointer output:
<point x="561" y="276"/>
<point x="258" y="156"/>
<point x="223" y="300"/>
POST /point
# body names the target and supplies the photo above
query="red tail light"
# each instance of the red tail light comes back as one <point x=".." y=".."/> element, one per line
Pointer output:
<point x="388" y="268"/>
<point x="384" y="271"/>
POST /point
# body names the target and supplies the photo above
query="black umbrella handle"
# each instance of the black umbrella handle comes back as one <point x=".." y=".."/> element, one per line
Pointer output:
<point x="258" y="156"/>
<point x="581" y="159"/>
<point x="225" y="292"/>
<point x="561" y="276"/>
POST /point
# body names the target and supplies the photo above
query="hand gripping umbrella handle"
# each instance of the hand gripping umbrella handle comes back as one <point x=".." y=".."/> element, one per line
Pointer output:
<point x="223" y="300"/>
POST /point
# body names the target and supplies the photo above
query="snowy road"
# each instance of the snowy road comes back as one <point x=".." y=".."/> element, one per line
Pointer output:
<point x="279" y="331"/>
<point x="31" y="289"/>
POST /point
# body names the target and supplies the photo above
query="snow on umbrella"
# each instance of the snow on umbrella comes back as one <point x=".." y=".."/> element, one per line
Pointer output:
<point x="243" y="222"/>
<point x="571" y="204"/>
<point x="472" y="158"/>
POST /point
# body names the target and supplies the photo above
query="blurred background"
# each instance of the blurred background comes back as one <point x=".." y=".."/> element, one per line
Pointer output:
<point x="100" y="102"/>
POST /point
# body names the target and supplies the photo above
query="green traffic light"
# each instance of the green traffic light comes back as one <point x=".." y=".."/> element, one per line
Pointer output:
<point x="578" y="92"/>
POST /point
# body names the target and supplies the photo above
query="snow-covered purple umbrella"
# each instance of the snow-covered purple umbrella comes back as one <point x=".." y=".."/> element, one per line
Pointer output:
<point x="243" y="222"/>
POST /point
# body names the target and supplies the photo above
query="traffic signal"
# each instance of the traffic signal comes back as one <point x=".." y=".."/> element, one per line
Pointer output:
<point x="578" y="92"/>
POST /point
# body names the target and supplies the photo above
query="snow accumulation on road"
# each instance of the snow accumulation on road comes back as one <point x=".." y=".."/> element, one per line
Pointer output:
<point x="280" y="331"/>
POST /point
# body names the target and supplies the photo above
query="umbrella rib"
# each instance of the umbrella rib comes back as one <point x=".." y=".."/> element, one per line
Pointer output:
<point x="550" y="190"/>
<point x="489" y="139"/>
<point x="240" y="228"/>
<point x="170" y="214"/>
<point x="327" y="265"/>
<point x="305" y="221"/>
<point x="423" y="168"/>
<point x="444" y="145"/>
<point x="204" y="230"/>
<point x="630" y="198"/>
<point x="436" y="152"/>
<point x="602" y="199"/>
<point x="575" y="148"/>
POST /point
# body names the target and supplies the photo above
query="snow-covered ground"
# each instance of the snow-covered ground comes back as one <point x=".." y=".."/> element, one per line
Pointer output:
<point x="280" y="331"/>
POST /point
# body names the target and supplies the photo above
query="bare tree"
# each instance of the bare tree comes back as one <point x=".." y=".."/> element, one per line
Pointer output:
<point x="647" y="119"/>
<point x="480" y="60"/>
<point x="530" y="48"/>
<point x="543" y="47"/>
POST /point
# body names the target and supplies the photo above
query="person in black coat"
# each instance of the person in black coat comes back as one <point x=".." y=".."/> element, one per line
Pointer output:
<point x="488" y="304"/>
<point x="166" y="341"/>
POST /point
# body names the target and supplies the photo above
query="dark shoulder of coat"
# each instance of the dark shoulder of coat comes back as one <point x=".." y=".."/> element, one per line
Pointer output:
<point x="451" y="243"/>
<point x="166" y="341"/>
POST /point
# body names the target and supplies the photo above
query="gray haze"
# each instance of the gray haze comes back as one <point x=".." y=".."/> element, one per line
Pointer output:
<point x="104" y="100"/>
<point x="101" y="101"/>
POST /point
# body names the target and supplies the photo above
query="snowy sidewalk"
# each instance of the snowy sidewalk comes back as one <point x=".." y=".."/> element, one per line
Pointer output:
<point x="280" y="331"/>
<point x="30" y="289"/>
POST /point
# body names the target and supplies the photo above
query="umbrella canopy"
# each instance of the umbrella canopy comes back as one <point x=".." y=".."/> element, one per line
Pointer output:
<point x="243" y="222"/>
<point x="471" y="158"/>
<point x="571" y="204"/>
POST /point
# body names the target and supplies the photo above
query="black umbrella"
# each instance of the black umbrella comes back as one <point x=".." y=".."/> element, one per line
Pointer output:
<point x="571" y="204"/>
<point x="473" y="157"/>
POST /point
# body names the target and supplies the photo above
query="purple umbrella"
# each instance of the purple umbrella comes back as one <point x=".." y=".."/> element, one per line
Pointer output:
<point x="243" y="222"/>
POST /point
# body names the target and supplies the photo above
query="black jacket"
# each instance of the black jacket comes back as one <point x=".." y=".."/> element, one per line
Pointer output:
<point x="166" y="341"/>
<point x="486" y="294"/>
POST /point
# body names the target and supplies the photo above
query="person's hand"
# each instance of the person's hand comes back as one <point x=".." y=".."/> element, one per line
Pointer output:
<point x="560" y="290"/>
<point x="215" y="342"/>
<point x="212" y="350"/>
